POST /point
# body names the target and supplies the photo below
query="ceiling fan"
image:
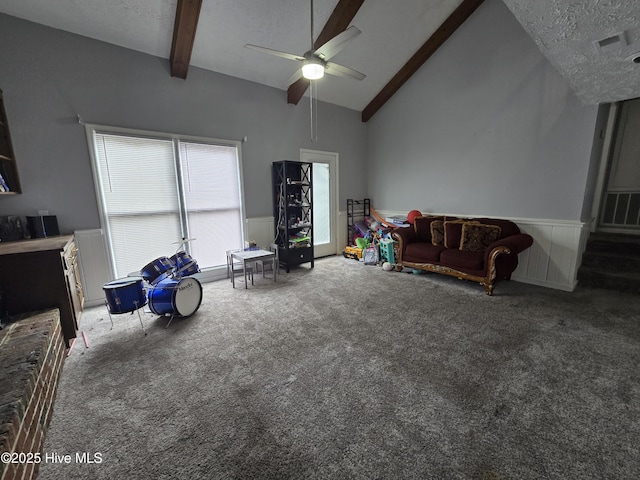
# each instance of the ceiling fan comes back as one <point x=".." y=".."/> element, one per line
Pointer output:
<point x="315" y="62"/>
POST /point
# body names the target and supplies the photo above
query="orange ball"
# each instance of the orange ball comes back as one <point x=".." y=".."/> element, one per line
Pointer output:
<point x="412" y="215"/>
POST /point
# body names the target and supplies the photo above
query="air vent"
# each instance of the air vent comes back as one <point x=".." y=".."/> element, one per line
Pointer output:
<point x="609" y="44"/>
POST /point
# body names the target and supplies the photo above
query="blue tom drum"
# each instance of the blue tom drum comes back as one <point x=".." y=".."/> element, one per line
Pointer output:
<point x="185" y="265"/>
<point x="124" y="295"/>
<point x="157" y="270"/>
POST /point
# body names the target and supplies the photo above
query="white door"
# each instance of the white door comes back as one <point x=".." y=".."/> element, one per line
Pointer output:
<point x="324" y="201"/>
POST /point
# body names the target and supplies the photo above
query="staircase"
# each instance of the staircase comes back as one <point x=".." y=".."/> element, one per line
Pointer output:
<point x="611" y="261"/>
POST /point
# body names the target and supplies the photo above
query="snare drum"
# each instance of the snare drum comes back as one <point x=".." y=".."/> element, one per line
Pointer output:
<point x="185" y="265"/>
<point x="175" y="296"/>
<point x="124" y="295"/>
<point x="157" y="270"/>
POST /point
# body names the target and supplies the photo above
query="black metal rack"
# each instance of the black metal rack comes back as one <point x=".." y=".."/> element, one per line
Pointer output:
<point x="293" y="212"/>
<point x="356" y="210"/>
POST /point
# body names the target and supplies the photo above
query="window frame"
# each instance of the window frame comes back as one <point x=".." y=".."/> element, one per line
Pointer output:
<point x="91" y="129"/>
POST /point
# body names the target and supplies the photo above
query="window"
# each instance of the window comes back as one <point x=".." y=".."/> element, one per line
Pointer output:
<point x="155" y="191"/>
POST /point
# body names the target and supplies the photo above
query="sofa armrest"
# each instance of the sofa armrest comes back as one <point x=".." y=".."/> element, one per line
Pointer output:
<point x="516" y="243"/>
<point x="508" y="249"/>
<point x="404" y="234"/>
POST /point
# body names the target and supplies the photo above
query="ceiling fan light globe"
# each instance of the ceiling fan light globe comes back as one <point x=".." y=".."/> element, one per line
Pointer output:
<point x="312" y="71"/>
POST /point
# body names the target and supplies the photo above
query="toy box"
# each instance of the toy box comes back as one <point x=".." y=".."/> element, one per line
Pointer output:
<point x="387" y="253"/>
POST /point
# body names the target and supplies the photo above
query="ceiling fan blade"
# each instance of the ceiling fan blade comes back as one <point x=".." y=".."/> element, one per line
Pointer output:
<point x="277" y="53"/>
<point x="297" y="75"/>
<point x="337" y="43"/>
<point x="342" y="71"/>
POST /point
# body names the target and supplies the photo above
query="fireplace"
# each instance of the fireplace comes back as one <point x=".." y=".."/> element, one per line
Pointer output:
<point x="32" y="352"/>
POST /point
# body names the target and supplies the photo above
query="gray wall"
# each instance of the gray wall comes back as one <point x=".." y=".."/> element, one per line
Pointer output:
<point x="49" y="76"/>
<point x="486" y="126"/>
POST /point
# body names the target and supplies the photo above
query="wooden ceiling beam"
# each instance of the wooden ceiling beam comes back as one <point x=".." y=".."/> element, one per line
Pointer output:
<point x="184" y="34"/>
<point x="338" y="22"/>
<point x="450" y="25"/>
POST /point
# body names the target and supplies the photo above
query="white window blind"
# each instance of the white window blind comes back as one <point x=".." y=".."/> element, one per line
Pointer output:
<point x="151" y="199"/>
<point x="212" y="200"/>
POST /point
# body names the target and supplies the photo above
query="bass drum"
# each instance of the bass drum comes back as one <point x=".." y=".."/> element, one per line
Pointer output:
<point x="124" y="295"/>
<point x="176" y="296"/>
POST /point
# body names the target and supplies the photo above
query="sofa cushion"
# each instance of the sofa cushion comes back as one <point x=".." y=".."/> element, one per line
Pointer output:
<point x="420" y="252"/>
<point x="467" y="261"/>
<point x="437" y="232"/>
<point x="452" y="233"/>
<point x="476" y="237"/>
<point x="422" y="226"/>
<point x="507" y="226"/>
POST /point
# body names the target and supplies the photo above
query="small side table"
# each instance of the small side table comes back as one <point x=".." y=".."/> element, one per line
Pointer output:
<point x="248" y="256"/>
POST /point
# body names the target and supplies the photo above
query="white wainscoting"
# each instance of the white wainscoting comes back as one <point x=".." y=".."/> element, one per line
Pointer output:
<point x="94" y="265"/>
<point x="555" y="256"/>
<point x="552" y="261"/>
<point x="342" y="231"/>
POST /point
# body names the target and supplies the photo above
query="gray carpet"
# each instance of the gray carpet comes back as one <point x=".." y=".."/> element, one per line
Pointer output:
<point x="348" y="371"/>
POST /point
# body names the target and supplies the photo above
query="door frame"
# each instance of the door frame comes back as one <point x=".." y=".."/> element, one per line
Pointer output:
<point x="306" y="155"/>
<point x="606" y="162"/>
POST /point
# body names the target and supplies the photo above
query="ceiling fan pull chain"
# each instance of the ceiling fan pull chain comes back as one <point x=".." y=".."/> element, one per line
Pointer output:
<point x="313" y="109"/>
<point x="315" y="99"/>
<point x="311" y="82"/>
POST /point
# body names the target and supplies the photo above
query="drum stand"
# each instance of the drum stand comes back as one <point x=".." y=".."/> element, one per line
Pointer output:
<point x="137" y="309"/>
<point x="170" y="320"/>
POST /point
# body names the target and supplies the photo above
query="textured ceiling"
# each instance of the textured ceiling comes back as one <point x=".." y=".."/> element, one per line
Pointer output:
<point x="392" y="31"/>
<point x="569" y="33"/>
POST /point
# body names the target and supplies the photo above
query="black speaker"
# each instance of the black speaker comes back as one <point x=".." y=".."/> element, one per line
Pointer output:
<point x="12" y="228"/>
<point x="43" y="226"/>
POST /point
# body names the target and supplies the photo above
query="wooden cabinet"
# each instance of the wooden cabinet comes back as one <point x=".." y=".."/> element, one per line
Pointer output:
<point x="9" y="181"/>
<point x="72" y="272"/>
<point x="43" y="273"/>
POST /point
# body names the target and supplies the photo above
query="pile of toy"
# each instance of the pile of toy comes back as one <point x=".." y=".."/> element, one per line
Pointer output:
<point x="372" y="243"/>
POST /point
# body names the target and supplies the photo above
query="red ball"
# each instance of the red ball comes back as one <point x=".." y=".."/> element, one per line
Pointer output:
<point x="412" y="215"/>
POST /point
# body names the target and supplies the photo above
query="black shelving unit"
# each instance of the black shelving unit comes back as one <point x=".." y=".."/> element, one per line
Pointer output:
<point x="9" y="180"/>
<point x="293" y="211"/>
<point x="356" y="211"/>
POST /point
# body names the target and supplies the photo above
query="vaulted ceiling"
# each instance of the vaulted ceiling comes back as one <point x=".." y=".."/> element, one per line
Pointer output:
<point x="592" y="44"/>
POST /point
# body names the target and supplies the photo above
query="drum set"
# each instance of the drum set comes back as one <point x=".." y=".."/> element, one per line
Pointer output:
<point x="165" y="284"/>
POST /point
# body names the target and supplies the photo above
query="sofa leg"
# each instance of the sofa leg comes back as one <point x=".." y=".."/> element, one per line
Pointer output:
<point x="488" y="287"/>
